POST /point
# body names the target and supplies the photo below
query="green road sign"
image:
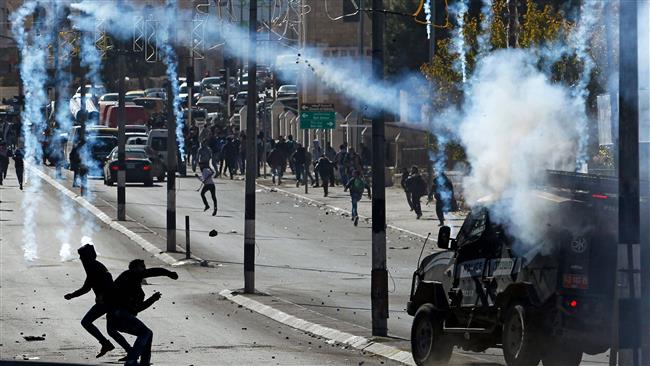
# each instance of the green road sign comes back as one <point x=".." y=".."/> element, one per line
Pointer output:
<point x="318" y="116"/>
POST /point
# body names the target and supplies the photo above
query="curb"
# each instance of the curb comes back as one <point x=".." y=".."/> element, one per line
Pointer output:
<point x="338" y="209"/>
<point x="358" y="342"/>
<point x="115" y="225"/>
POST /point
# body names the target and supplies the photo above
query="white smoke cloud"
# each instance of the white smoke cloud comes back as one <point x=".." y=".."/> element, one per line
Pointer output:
<point x="64" y="252"/>
<point x="516" y="125"/>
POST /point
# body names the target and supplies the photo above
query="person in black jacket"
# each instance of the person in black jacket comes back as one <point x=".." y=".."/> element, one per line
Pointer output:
<point x="229" y="153"/>
<point x="298" y="162"/>
<point x="417" y="187"/>
<point x="443" y="191"/>
<point x="405" y="176"/>
<point x="126" y="300"/>
<point x="325" y="169"/>
<point x="99" y="280"/>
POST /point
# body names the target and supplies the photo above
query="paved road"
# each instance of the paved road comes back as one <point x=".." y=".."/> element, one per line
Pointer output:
<point x="192" y="324"/>
<point x="305" y="254"/>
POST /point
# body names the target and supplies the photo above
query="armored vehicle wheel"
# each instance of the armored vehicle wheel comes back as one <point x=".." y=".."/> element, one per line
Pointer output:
<point x="519" y="337"/>
<point x="559" y="355"/>
<point x="428" y="344"/>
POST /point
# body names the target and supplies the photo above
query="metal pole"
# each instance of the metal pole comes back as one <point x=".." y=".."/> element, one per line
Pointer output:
<point x="301" y="96"/>
<point x="188" y="253"/>
<point x="362" y="54"/>
<point x="251" y="155"/>
<point x="379" y="275"/>
<point x="82" y="136"/>
<point x="121" y="144"/>
<point x="629" y="324"/>
<point x="171" y="171"/>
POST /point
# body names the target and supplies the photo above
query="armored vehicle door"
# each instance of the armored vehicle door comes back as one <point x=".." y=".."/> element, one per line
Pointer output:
<point x="472" y="260"/>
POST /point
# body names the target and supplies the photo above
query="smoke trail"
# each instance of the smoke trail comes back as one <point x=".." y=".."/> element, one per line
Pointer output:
<point x="170" y="61"/>
<point x="509" y="148"/>
<point x="33" y="49"/>
<point x="486" y="28"/>
<point x="427" y="12"/>
<point x="458" y="38"/>
<point x="590" y="14"/>
<point x="63" y="80"/>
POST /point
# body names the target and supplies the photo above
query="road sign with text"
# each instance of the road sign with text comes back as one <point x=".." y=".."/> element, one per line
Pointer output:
<point x="317" y="116"/>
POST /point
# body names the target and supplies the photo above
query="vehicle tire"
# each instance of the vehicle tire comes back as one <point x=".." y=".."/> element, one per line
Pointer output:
<point x="559" y="355"/>
<point x="429" y="345"/>
<point x="519" y="337"/>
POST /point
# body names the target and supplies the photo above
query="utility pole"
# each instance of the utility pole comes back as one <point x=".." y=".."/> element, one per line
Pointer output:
<point x="362" y="54"/>
<point x="379" y="275"/>
<point x="251" y="155"/>
<point x="301" y="96"/>
<point x="630" y="317"/>
<point x="171" y="170"/>
<point x="121" y="142"/>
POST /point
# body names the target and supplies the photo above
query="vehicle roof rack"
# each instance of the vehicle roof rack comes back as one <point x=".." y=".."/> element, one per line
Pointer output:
<point x="591" y="183"/>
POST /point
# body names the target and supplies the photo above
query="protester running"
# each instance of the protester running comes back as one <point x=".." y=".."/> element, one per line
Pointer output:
<point x="126" y="300"/>
<point x="356" y="186"/>
<point x="99" y="279"/>
<point x="443" y="191"/>
<point x="208" y="185"/>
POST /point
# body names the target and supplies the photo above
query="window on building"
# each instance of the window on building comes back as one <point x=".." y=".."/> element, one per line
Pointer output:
<point x="350" y="7"/>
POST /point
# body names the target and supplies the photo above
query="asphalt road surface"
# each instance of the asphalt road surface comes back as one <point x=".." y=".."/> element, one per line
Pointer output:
<point x="305" y="254"/>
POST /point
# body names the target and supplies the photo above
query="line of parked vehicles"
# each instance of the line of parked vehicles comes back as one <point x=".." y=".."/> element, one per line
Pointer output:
<point x="145" y="119"/>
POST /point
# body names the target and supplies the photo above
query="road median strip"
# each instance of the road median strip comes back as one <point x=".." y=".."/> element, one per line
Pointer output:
<point x="332" y="335"/>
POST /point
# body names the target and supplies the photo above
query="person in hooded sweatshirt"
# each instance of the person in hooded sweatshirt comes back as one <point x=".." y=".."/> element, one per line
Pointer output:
<point x="126" y="300"/>
<point x="100" y="281"/>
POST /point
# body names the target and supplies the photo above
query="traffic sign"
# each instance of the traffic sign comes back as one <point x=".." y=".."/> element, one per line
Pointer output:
<point x="317" y="115"/>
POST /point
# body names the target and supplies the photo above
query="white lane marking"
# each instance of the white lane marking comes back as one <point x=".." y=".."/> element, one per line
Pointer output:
<point x="142" y="242"/>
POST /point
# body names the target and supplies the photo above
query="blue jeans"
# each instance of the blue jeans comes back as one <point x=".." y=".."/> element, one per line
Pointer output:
<point x="299" y="169"/>
<point x="123" y="321"/>
<point x="344" y="177"/>
<point x="95" y="312"/>
<point x="355" y="199"/>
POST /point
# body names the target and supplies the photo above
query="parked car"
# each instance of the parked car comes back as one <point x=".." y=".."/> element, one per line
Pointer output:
<point x="157" y="153"/>
<point x="183" y="93"/>
<point x="240" y="100"/>
<point x="73" y="138"/>
<point x="138" y="166"/>
<point x="100" y="147"/>
<point x="151" y="105"/>
<point x="155" y="93"/>
<point x="287" y="91"/>
<point x="109" y="97"/>
<point x="139" y="129"/>
<point x="130" y="95"/>
<point x="211" y="104"/>
<point x="212" y="81"/>
<point x="133" y="115"/>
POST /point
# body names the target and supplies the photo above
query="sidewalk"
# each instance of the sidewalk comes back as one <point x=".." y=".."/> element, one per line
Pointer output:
<point x="398" y="214"/>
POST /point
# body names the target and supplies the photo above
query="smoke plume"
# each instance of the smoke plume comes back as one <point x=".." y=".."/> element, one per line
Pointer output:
<point x="516" y="125"/>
